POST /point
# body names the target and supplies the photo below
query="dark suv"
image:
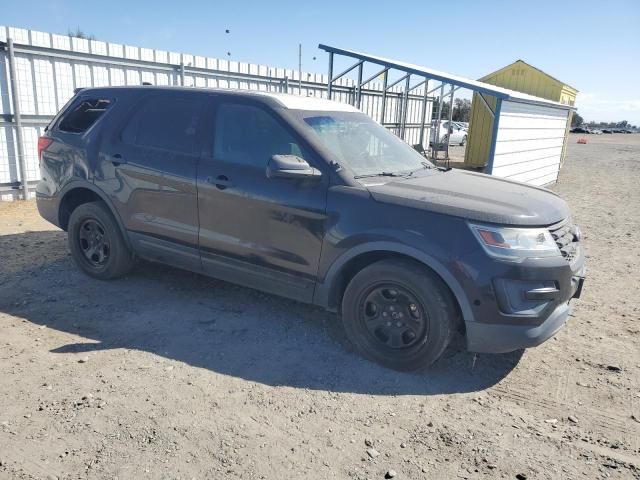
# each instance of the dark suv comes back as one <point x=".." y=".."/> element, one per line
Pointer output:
<point x="314" y="201"/>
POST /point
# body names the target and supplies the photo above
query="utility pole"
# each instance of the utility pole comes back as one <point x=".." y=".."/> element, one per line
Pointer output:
<point x="300" y="68"/>
<point x="17" y="120"/>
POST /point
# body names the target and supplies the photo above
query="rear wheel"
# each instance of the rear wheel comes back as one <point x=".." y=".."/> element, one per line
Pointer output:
<point x="398" y="314"/>
<point x="96" y="242"/>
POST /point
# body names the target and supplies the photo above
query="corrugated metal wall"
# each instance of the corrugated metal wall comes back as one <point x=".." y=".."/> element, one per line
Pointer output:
<point x="49" y="67"/>
<point x="529" y="143"/>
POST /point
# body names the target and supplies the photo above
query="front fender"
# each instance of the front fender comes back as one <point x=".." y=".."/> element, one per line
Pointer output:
<point x="323" y="290"/>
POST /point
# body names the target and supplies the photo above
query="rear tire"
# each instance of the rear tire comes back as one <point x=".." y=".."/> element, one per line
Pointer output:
<point x="399" y="314"/>
<point x="96" y="242"/>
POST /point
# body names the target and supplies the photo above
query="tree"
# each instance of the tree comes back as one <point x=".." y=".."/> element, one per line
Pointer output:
<point x="445" y="110"/>
<point x="461" y="109"/>
<point x="576" y="120"/>
<point x="80" y="34"/>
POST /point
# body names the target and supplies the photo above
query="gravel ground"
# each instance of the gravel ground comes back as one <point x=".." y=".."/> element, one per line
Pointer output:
<point x="167" y="374"/>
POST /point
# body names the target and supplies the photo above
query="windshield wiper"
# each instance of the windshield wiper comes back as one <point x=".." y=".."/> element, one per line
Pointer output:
<point x="379" y="174"/>
<point x="405" y="173"/>
<point x="425" y="166"/>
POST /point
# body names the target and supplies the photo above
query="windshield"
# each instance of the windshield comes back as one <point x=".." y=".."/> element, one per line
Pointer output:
<point x="364" y="146"/>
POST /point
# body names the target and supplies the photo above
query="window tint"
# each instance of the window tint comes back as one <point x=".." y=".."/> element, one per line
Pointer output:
<point x="248" y="135"/>
<point x="168" y="123"/>
<point x="84" y="115"/>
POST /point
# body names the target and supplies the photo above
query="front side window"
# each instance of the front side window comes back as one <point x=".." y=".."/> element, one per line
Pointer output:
<point x="363" y="145"/>
<point x="166" y="123"/>
<point x="248" y="135"/>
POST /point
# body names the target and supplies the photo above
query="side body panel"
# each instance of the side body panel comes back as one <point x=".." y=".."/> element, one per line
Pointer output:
<point x="154" y="190"/>
<point x="71" y="156"/>
<point x="358" y="225"/>
<point x="262" y="232"/>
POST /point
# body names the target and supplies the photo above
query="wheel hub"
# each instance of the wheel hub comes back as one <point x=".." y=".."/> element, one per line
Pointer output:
<point x="94" y="242"/>
<point x="394" y="317"/>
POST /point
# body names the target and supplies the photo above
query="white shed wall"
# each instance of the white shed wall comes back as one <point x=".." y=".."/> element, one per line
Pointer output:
<point x="529" y="143"/>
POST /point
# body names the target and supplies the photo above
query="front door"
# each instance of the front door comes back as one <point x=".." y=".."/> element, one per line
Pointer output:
<point x="261" y="232"/>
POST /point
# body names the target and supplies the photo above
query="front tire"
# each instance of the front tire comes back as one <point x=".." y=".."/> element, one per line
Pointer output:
<point x="464" y="141"/>
<point x="399" y="314"/>
<point x="96" y="242"/>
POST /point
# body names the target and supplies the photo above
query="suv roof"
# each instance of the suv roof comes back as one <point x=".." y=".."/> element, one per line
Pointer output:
<point x="283" y="100"/>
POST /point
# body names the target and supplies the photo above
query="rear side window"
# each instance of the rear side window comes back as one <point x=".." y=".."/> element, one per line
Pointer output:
<point x="81" y="117"/>
<point x="166" y="123"/>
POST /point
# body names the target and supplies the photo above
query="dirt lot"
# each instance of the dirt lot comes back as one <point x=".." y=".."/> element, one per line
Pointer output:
<point x="167" y="374"/>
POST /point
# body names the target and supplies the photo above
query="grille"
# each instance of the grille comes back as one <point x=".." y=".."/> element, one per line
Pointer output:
<point x="565" y="236"/>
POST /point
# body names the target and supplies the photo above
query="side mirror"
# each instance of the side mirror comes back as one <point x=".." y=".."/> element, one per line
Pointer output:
<point x="291" y="166"/>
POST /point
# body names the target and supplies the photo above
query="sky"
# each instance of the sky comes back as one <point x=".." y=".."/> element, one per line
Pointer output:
<point x="593" y="46"/>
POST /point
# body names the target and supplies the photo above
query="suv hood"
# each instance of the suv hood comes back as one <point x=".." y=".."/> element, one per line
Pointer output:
<point x="474" y="196"/>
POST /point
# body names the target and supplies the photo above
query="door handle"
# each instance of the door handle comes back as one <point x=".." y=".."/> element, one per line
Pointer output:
<point x="221" y="182"/>
<point x="116" y="160"/>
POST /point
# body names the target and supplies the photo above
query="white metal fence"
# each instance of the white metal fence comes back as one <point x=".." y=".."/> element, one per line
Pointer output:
<point x="48" y="67"/>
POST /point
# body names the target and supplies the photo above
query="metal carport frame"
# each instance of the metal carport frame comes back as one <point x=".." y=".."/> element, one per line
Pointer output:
<point x="426" y="74"/>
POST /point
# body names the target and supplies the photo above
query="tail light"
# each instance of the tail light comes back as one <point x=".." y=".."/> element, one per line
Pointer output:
<point x="43" y="144"/>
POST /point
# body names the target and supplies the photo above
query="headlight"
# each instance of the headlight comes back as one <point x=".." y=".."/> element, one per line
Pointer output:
<point x="515" y="244"/>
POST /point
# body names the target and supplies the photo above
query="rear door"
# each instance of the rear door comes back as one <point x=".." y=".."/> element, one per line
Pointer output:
<point x="261" y="232"/>
<point x="149" y="169"/>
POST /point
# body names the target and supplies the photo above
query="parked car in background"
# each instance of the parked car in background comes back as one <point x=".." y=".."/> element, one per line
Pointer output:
<point x="607" y="130"/>
<point x="580" y="130"/>
<point x="596" y="131"/>
<point x="314" y="201"/>
<point x="453" y="133"/>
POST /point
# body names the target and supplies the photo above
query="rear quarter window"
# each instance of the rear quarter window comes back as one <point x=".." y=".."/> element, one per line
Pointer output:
<point x="81" y="117"/>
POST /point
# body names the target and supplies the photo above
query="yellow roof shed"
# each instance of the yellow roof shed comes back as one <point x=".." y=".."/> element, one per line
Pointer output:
<point x="521" y="77"/>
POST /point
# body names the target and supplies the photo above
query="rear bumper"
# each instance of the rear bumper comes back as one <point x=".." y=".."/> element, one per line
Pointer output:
<point x="48" y="207"/>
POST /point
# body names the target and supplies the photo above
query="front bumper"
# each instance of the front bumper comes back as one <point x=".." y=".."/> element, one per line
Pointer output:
<point x="496" y="338"/>
<point x="518" y="332"/>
